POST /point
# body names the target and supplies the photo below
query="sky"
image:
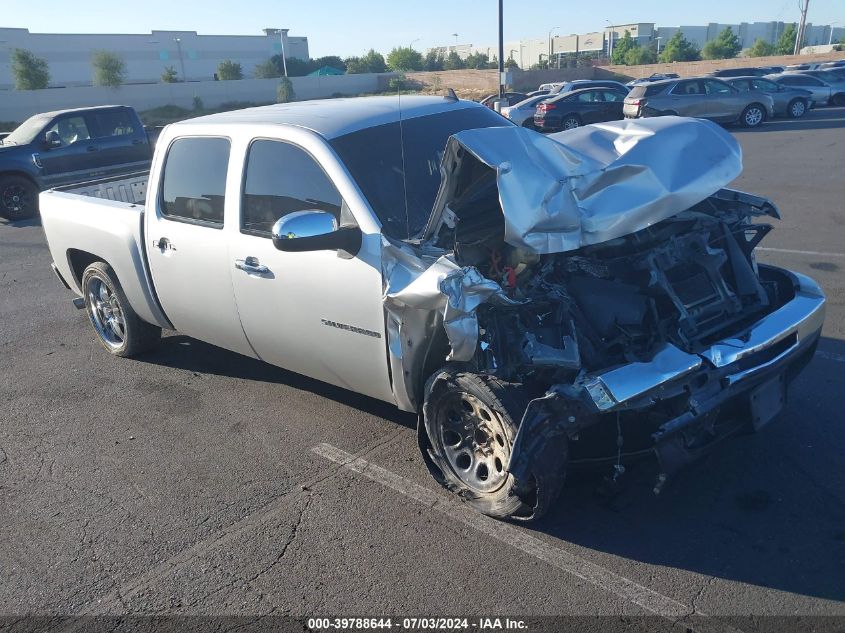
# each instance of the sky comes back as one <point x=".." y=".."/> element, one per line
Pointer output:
<point x="344" y="27"/>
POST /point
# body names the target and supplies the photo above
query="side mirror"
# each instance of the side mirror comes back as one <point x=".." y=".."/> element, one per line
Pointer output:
<point x="52" y="139"/>
<point x="314" y="231"/>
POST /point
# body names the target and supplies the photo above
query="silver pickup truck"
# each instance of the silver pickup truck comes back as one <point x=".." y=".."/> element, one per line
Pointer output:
<point x="537" y="300"/>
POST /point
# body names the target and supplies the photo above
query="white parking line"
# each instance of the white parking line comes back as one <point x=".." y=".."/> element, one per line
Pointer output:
<point x="786" y="250"/>
<point x="644" y="597"/>
<point x="839" y="358"/>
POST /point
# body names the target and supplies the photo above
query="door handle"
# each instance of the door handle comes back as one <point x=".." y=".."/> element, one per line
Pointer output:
<point x="91" y="148"/>
<point x="164" y="244"/>
<point x="251" y="265"/>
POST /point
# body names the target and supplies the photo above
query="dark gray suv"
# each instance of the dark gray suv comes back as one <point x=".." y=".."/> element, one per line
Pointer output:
<point x="700" y="97"/>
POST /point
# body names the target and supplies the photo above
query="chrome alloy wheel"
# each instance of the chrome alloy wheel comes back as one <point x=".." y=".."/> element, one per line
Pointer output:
<point x="753" y="116"/>
<point x="571" y="123"/>
<point x="105" y="313"/>
<point x="474" y="442"/>
<point x="798" y="109"/>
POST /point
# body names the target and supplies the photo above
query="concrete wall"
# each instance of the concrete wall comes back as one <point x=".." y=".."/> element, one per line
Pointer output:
<point x="695" y="69"/>
<point x="146" y="55"/>
<point x="18" y="105"/>
<point x="478" y="83"/>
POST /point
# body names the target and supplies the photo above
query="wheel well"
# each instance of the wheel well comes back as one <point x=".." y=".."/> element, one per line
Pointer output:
<point x="435" y="358"/>
<point x="20" y="174"/>
<point x="79" y="261"/>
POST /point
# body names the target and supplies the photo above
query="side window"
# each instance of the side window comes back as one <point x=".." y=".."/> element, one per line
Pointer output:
<point x="742" y="85"/>
<point x="588" y="97"/>
<point x="612" y="95"/>
<point x="194" y="181"/>
<point x="716" y="87"/>
<point x="70" y="129"/>
<point x="764" y="86"/>
<point x="115" y="123"/>
<point x="282" y="178"/>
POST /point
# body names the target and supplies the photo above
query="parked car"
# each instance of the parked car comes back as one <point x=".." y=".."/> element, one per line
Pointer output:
<point x="650" y="78"/>
<point x="510" y="97"/>
<point x="788" y="101"/>
<point x="805" y="66"/>
<point x="548" y="87"/>
<point x="569" y="110"/>
<point x="68" y="146"/>
<point x="828" y="75"/>
<point x="603" y="286"/>
<point x="578" y="84"/>
<point x="775" y="69"/>
<point x="522" y="113"/>
<point x="823" y="92"/>
<point x="537" y="93"/>
<point x="837" y="64"/>
<point x="753" y="71"/>
<point x="701" y="97"/>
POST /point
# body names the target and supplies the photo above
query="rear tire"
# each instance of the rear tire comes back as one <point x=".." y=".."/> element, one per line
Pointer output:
<point x="796" y="108"/>
<point x="570" y="122"/>
<point x="753" y="115"/>
<point x="838" y="99"/>
<point x="471" y="422"/>
<point x="119" y="329"/>
<point x="18" y="198"/>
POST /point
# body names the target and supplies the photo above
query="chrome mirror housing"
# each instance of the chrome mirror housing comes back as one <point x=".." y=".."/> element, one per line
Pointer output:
<point x="299" y="224"/>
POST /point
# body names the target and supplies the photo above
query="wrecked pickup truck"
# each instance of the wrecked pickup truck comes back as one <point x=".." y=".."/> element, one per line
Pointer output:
<point x="532" y="298"/>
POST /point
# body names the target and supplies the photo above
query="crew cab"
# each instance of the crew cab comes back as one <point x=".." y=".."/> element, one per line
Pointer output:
<point x="536" y="300"/>
<point x="67" y="146"/>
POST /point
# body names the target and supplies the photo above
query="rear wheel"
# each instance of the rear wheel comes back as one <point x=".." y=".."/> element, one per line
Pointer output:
<point x="471" y="423"/>
<point x="18" y="198"/>
<point x="838" y="99"/>
<point x="796" y="108"/>
<point x="119" y="329"/>
<point x="571" y="121"/>
<point x="753" y="115"/>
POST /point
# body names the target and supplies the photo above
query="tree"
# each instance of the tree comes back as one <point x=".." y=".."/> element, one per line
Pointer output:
<point x="786" y="42"/>
<point x="169" y="75"/>
<point x="267" y="70"/>
<point x="330" y="60"/>
<point x="640" y="55"/>
<point x="725" y="46"/>
<point x="109" y="69"/>
<point x="453" y="62"/>
<point x="621" y="48"/>
<point x="433" y="60"/>
<point x="30" y="72"/>
<point x="285" y="92"/>
<point x="479" y="61"/>
<point x="761" y="48"/>
<point x="680" y="49"/>
<point x="510" y="62"/>
<point x="228" y="70"/>
<point x="372" y="62"/>
<point x="404" y="58"/>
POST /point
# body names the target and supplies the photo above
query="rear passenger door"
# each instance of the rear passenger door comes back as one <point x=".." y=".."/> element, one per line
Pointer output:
<point x="121" y="140"/>
<point x="187" y="248"/>
<point x="723" y="103"/>
<point x="687" y="98"/>
<point x="614" y="100"/>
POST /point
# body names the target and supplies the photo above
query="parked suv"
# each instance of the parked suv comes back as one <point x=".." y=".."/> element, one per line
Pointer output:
<point x="68" y="146"/>
<point x="791" y="102"/>
<point x="701" y="97"/>
<point x="741" y="72"/>
<point x="579" y="84"/>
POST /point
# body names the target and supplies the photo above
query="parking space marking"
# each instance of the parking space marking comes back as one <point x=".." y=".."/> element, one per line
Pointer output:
<point x="792" y="252"/>
<point x="650" y="600"/>
<point x="839" y="358"/>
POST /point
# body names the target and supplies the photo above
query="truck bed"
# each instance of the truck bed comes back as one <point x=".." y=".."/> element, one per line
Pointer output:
<point x="131" y="188"/>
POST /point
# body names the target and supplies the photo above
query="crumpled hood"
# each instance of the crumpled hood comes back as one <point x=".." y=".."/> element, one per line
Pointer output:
<point x="595" y="183"/>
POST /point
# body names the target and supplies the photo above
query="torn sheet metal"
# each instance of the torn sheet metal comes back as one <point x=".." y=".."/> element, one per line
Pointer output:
<point x="418" y="295"/>
<point x="598" y="182"/>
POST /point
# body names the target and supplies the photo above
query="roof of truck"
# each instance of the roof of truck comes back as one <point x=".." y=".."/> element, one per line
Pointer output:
<point x="55" y="113"/>
<point x="335" y="117"/>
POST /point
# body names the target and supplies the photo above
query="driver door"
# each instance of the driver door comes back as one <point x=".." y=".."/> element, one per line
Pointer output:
<point x="318" y="313"/>
<point x="76" y="159"/>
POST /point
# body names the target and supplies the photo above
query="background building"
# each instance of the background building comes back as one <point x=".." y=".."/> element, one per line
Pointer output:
<point x="146" y="55"/>
<point x="529" y="52"/>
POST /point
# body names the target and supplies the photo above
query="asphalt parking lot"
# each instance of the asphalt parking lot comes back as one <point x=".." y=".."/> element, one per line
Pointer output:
<point x="194" y="481"/>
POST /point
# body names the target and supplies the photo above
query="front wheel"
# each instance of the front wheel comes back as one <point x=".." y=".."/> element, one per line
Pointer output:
<point x="796" y="108"/>
<point x="753" y="115"/>
<point x="471" y="423"/>
<point x="119" y="329"/>
<point x="18" y="198"/>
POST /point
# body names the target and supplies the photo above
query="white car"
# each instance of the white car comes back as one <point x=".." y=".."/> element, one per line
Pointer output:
<point x="522" y="113"/>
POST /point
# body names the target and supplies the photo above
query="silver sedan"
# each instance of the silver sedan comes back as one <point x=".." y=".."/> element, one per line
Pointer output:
<point x="522" y="113"/>
<point x="789" y="101"/>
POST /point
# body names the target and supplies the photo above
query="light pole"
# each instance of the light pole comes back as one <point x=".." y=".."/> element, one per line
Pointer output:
<point x="657" y="39"/>
<point x="610" y="28"/>
<point x="178" y="41"/>
<point x="411" y="45"/>
<point x="830" y="39"/>
<point x="455" y="35"/>
<point x="554" y="28"/>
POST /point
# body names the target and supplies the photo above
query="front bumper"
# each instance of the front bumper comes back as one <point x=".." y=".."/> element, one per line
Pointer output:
<point x="752" y="369"/>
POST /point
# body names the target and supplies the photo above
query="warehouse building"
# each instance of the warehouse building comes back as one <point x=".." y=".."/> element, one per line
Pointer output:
<point x="193" y="56"/>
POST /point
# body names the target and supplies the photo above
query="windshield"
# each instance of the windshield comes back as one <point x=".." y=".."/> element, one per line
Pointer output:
<point x="374" y="158"/>
<point x="27" y="131"/>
